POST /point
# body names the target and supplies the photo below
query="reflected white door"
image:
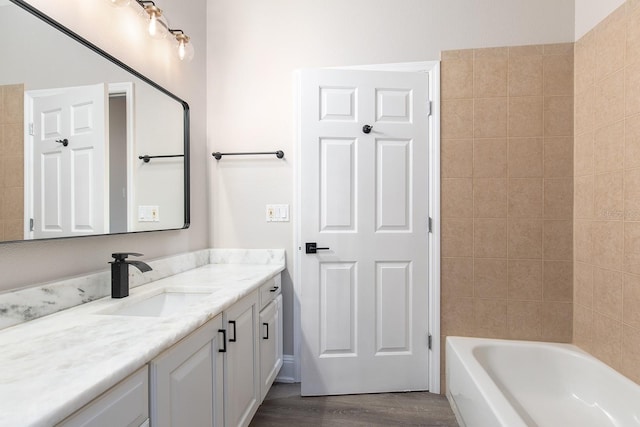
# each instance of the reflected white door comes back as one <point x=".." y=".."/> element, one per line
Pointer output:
<point x="364" y="316"/>
<point x="69" y="167"/>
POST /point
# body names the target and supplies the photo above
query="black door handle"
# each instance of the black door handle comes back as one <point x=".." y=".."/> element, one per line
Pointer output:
<point x="266" y="337"/>
<point x="312" y="248"/>
<point x="64" y="142"/>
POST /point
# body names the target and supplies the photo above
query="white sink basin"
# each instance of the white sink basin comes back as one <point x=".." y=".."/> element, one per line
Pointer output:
<point x="164" y="304"/>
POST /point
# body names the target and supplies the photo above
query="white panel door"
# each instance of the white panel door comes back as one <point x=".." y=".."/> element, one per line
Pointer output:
<point x="69" y="161"/>
<point x="364" y="197"/>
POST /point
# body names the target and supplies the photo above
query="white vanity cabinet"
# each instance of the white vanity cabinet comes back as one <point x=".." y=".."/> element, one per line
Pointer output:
<point x="187" y="380"/>
<point x="270" y="334"/>
<point x="126" y="404"/>
<point x="216" y="376"/>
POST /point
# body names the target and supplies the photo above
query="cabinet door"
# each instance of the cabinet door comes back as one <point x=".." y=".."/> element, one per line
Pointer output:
<point x="242" y="381"/>
<point x="270" y="344"/>
<point x="126" y="404"/>
<point x="187" y="382"/>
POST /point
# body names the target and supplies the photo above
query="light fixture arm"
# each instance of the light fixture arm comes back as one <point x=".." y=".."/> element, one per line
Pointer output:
<point x="179" y="35"/>
<point x="143" y="3"/>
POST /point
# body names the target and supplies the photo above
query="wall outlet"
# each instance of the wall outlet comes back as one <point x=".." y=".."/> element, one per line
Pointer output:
<point x="148" y="213"/>
<point x="277" y="213"/>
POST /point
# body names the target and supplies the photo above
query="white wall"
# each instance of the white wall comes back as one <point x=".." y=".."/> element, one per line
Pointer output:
<point x="590" y="12"/>
<point x="161" y="181"/>
<point x="253" y="48"/>
<point x="27" y="263"/>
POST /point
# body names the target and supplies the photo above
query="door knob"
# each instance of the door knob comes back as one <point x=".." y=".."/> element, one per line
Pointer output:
<point x="367" y="128"/>
<point x="312" y="248"/>
<point x="64" y="142"/>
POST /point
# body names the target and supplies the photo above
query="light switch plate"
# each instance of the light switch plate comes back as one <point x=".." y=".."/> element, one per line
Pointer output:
<point x="277" y="213"/>
<point x="148" y="213"/>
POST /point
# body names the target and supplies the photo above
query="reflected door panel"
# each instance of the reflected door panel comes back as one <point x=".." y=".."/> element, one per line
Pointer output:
<point x="68" y="195"/>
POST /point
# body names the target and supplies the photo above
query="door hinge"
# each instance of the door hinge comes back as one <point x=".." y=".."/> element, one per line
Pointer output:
<point x="31" y="130"/>
<point x="428" y="108"/>
<point x="31" y="224"/>
<point x="430" y="225"/>
<point x="429" y="341"/>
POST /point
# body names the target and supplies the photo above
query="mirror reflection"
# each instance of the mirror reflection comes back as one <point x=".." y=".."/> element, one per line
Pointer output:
<point x="73" y="126"/>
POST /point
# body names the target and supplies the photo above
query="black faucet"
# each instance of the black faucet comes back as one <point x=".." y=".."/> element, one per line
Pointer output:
<point x="120" y="273"/>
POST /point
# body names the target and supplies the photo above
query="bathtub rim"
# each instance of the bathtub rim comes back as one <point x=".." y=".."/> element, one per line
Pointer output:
<point x="501" y="408"/>
<point x="493" y="397"/>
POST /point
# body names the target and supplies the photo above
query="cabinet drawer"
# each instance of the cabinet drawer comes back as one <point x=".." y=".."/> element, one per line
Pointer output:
<point x="126" y="404"/>
<point x="270" y="291"/>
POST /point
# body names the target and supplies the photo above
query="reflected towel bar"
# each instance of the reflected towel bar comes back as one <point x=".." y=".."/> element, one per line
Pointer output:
<point x="218" y="155"/>
<point x="146" y="158"/>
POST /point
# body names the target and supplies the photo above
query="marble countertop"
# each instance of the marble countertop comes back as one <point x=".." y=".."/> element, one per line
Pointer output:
<point x="52" y="366"/>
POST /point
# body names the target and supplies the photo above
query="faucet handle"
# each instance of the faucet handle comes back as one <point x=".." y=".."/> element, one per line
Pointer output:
<point x="121" y="256"/>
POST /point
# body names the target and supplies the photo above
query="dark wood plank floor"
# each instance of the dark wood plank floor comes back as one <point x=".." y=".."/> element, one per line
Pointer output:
<point x="283" y="406"/>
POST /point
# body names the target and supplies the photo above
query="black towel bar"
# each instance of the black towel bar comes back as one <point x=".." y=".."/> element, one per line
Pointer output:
<point x="146" y="157"/>
<point x="218" y="155"/>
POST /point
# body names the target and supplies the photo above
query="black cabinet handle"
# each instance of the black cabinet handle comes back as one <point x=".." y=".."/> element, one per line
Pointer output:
<point x="233" y="322"/>
<point x="274" y="289"/>
<point x="267" y="337"/>
<point x="224" y="340"/>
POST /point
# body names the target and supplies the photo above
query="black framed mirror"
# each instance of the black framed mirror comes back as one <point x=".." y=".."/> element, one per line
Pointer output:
<point x="88" y="146"/>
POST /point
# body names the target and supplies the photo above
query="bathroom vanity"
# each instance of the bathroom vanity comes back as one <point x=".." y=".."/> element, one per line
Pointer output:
<point x="201" y="347"/>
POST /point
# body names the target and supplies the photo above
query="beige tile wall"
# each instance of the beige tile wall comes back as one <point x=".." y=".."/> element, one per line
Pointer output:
<point x="607" y="191"/>
<point x="507" y="192"/>
<point x="11" y="162"/>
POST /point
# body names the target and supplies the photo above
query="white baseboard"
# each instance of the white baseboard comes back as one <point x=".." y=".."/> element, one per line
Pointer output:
<point x="287" y="372"/>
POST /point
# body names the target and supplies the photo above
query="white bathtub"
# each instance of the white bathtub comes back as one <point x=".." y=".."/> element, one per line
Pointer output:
<point x="494" y="383"/>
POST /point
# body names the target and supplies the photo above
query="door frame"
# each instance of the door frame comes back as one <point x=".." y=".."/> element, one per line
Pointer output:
<point x="432" y="71"/>
<point x="126" y="89"/>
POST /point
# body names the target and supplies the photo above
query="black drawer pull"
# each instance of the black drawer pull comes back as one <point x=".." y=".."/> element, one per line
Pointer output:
<point x="224" y="340"/>
<point x="233" y="322"/>
<point x="274" y="289"/>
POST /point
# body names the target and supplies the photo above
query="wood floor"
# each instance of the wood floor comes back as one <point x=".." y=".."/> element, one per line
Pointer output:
<point x="283" y="406"/>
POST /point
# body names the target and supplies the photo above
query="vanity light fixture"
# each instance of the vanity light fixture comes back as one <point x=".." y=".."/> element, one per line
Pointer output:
<point x="158" y="27"/>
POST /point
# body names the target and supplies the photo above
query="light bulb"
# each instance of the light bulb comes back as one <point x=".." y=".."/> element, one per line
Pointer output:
<point x="158" y="26"/>
<point x="184" y="47"/>
<point x="181" y="50"/>
<point x="153" y="26"/>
